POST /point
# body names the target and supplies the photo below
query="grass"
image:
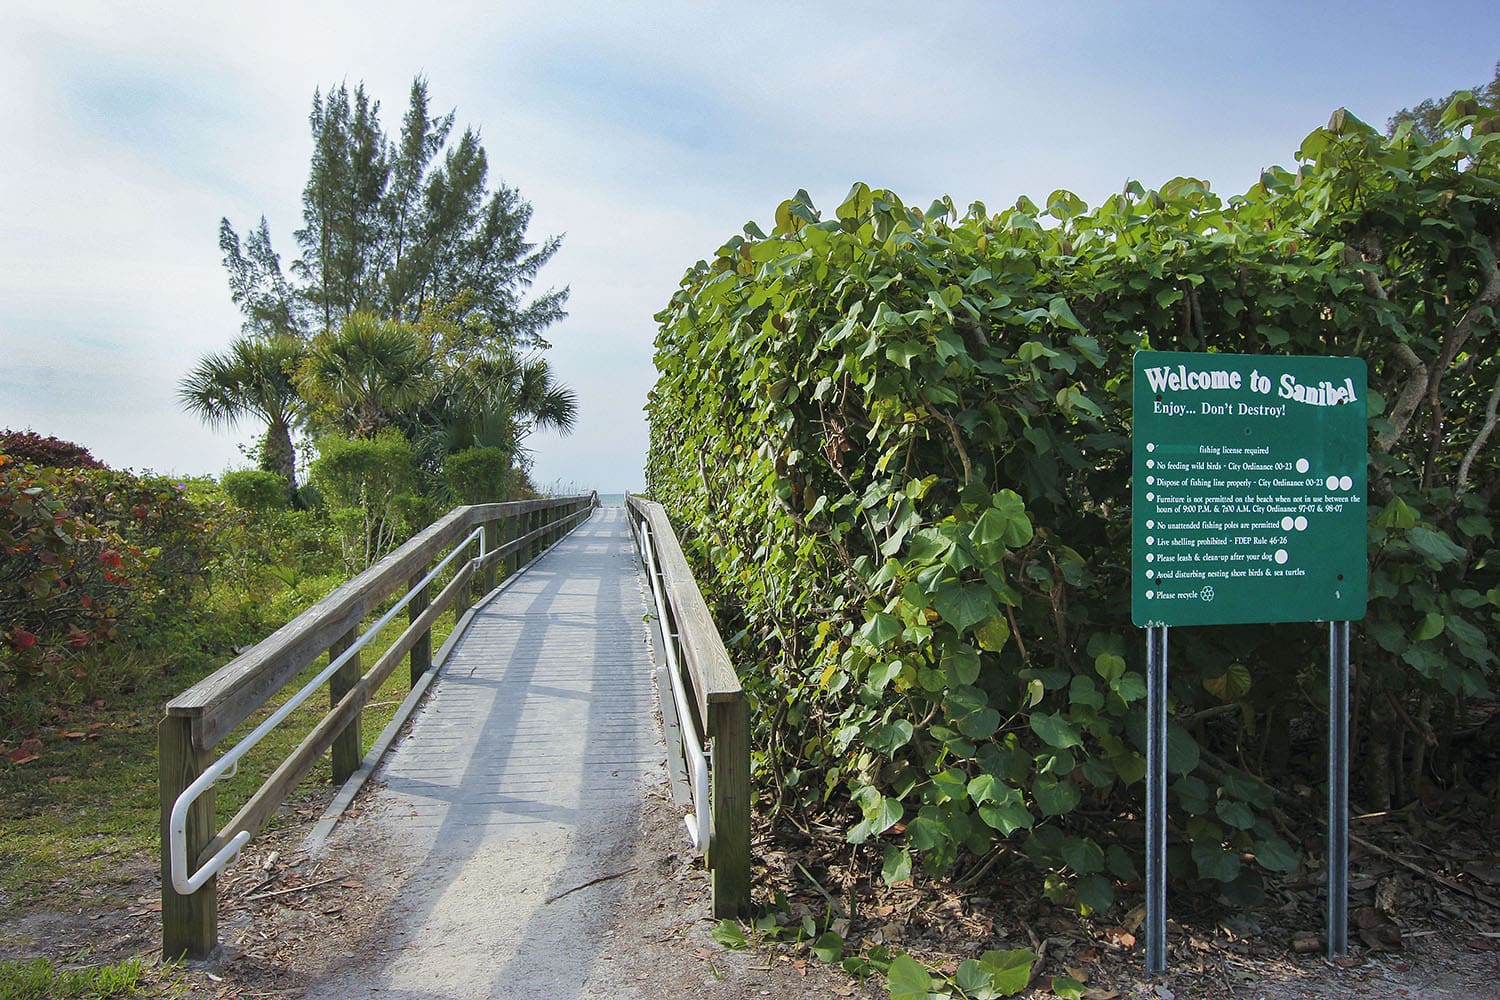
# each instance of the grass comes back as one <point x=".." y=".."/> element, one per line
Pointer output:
<point x="79" y="824"/>
<point x="41" y="979"/>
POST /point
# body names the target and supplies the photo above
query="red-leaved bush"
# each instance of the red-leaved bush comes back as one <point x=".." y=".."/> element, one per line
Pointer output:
<point x="48" y="452"/>
<point x="86" y="554"/>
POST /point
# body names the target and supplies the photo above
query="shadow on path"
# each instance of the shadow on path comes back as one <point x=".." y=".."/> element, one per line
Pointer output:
<point x="520" y="783"/>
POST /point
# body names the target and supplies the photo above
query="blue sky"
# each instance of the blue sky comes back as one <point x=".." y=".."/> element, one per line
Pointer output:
<point x="648" y="133"/>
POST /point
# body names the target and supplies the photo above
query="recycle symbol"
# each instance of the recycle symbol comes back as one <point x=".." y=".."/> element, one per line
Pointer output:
<point x="1207" y="593"/>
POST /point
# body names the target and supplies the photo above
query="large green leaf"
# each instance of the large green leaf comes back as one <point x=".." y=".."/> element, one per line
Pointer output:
<point x="1236" y="814"/>
<point x="974" y="981"/>
<point x="1054" y="730"/>
<point x="891" y="737"/>
<point x="881" y="812"/>
<point x="961" y="662"/>
<point x="729" y="934"/>
<point x="896" y="865"/>
<point x="1004" y="522"/>
<point x="1109" y="666"/>
<point x="1430" y="627"/>
<point x="1231" y="685"/>
<point x="1182" y="750"/>
<point x="880" y="629"/>
<point x="1082" y="691"/>
<point x="1275" y="854"/>
<point x="1054" y="797"/>
<point x="1067" y="988"/>
<point x="949" y="783"/>
<point x="992" y="635"/>
<point x="1007" y="815"/>
<point x="962" y="605"/>
<point x="970" y="711"/>
<point x="1083" y="855"/>
<point x="1215" y="863"/>
<point x="908" y="979"/>
<point x="1095" y="891"/>
<point x="926" y="832"/>
<point x="987" y="788"/>
<point x="1009" y="971"/>
<point x="1434" y="545"/>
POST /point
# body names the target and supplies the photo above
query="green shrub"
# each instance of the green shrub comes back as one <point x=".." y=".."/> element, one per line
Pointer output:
<point x="897" y="446"/>
<point x="369" y="486"/>
<point x="478" y="475"/>
<point x="255" y="490"/>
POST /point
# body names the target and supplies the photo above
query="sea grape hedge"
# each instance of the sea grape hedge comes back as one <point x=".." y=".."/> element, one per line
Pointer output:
<point x="896" y="443"/>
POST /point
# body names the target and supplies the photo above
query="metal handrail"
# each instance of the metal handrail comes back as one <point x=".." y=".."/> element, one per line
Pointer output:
<point x="697" y="756"/>
<point x="177" y="823"/>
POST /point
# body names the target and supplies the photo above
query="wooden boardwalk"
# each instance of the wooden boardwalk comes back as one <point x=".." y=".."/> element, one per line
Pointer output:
<point x="520" y="783"/>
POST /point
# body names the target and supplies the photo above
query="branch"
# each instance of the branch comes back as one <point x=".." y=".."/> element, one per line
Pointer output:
<point x="1453" y="345"/>
<point x="585" y="885"/>
<point x="1367" y="274"/>
<point x="1409" y="400"/>
<point x="1479" y="439"/>
<point x="1453" y="884"/>
<point x="958" y="441"/>
<point x="1417" y="373"/>
<point x="1195" y="311"/>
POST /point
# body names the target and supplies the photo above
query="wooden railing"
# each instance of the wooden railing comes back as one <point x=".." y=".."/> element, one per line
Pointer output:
<point x="722" y="710"/>
<point x="202" y="716"/>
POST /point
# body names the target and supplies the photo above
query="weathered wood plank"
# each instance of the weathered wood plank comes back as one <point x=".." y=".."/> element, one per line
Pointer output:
<point x="189" y="924"/>
<point x="723" y="709"/>
<point x="226" y="698"/>
<point x="421" y="648"/>
<point x="491" y="542"/>
<point x="729" y="843"/>
<point x="708" y="663"/>
<point x="259" y="807"/>
<point x="346" y="750"/>
<point x="508" y="549"/>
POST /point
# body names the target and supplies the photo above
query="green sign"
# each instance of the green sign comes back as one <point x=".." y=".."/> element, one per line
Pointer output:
<point x="1248" y="490"/>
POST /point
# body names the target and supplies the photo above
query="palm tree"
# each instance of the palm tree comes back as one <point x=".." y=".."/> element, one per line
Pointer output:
<point x="492" y="399"/>
<point x="497" y="400"/>
<point x="254" y="378"/>
<point x="367" y="372"/>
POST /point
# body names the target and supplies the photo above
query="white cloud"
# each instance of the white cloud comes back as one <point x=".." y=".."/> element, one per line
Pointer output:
<point x="647" y="133"/>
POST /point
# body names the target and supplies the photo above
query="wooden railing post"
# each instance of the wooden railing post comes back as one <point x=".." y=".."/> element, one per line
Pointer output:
<point x="189" y="924"/>
<point x="729" y="843"/>
<point x="421" y="650"/>
<point x="491" y="543"/>
<point x="505" y="529"/>
<point x="346" y="746"/>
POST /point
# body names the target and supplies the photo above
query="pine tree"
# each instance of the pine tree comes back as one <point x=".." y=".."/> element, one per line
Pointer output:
<point x="398" y="229"/>
<point x="412" y="296"/>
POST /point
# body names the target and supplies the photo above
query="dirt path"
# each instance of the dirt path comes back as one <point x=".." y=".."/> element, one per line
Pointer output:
<point x="641" y="930"/>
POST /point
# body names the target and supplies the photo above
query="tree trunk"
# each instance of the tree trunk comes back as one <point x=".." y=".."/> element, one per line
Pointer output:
<point x="278" y="456"/>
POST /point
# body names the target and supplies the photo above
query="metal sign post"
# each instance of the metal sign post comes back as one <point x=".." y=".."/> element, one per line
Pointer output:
<point x="1248" y="507"/>
<point x="1156" y="799"/>
<point x="1338" y="788"/>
